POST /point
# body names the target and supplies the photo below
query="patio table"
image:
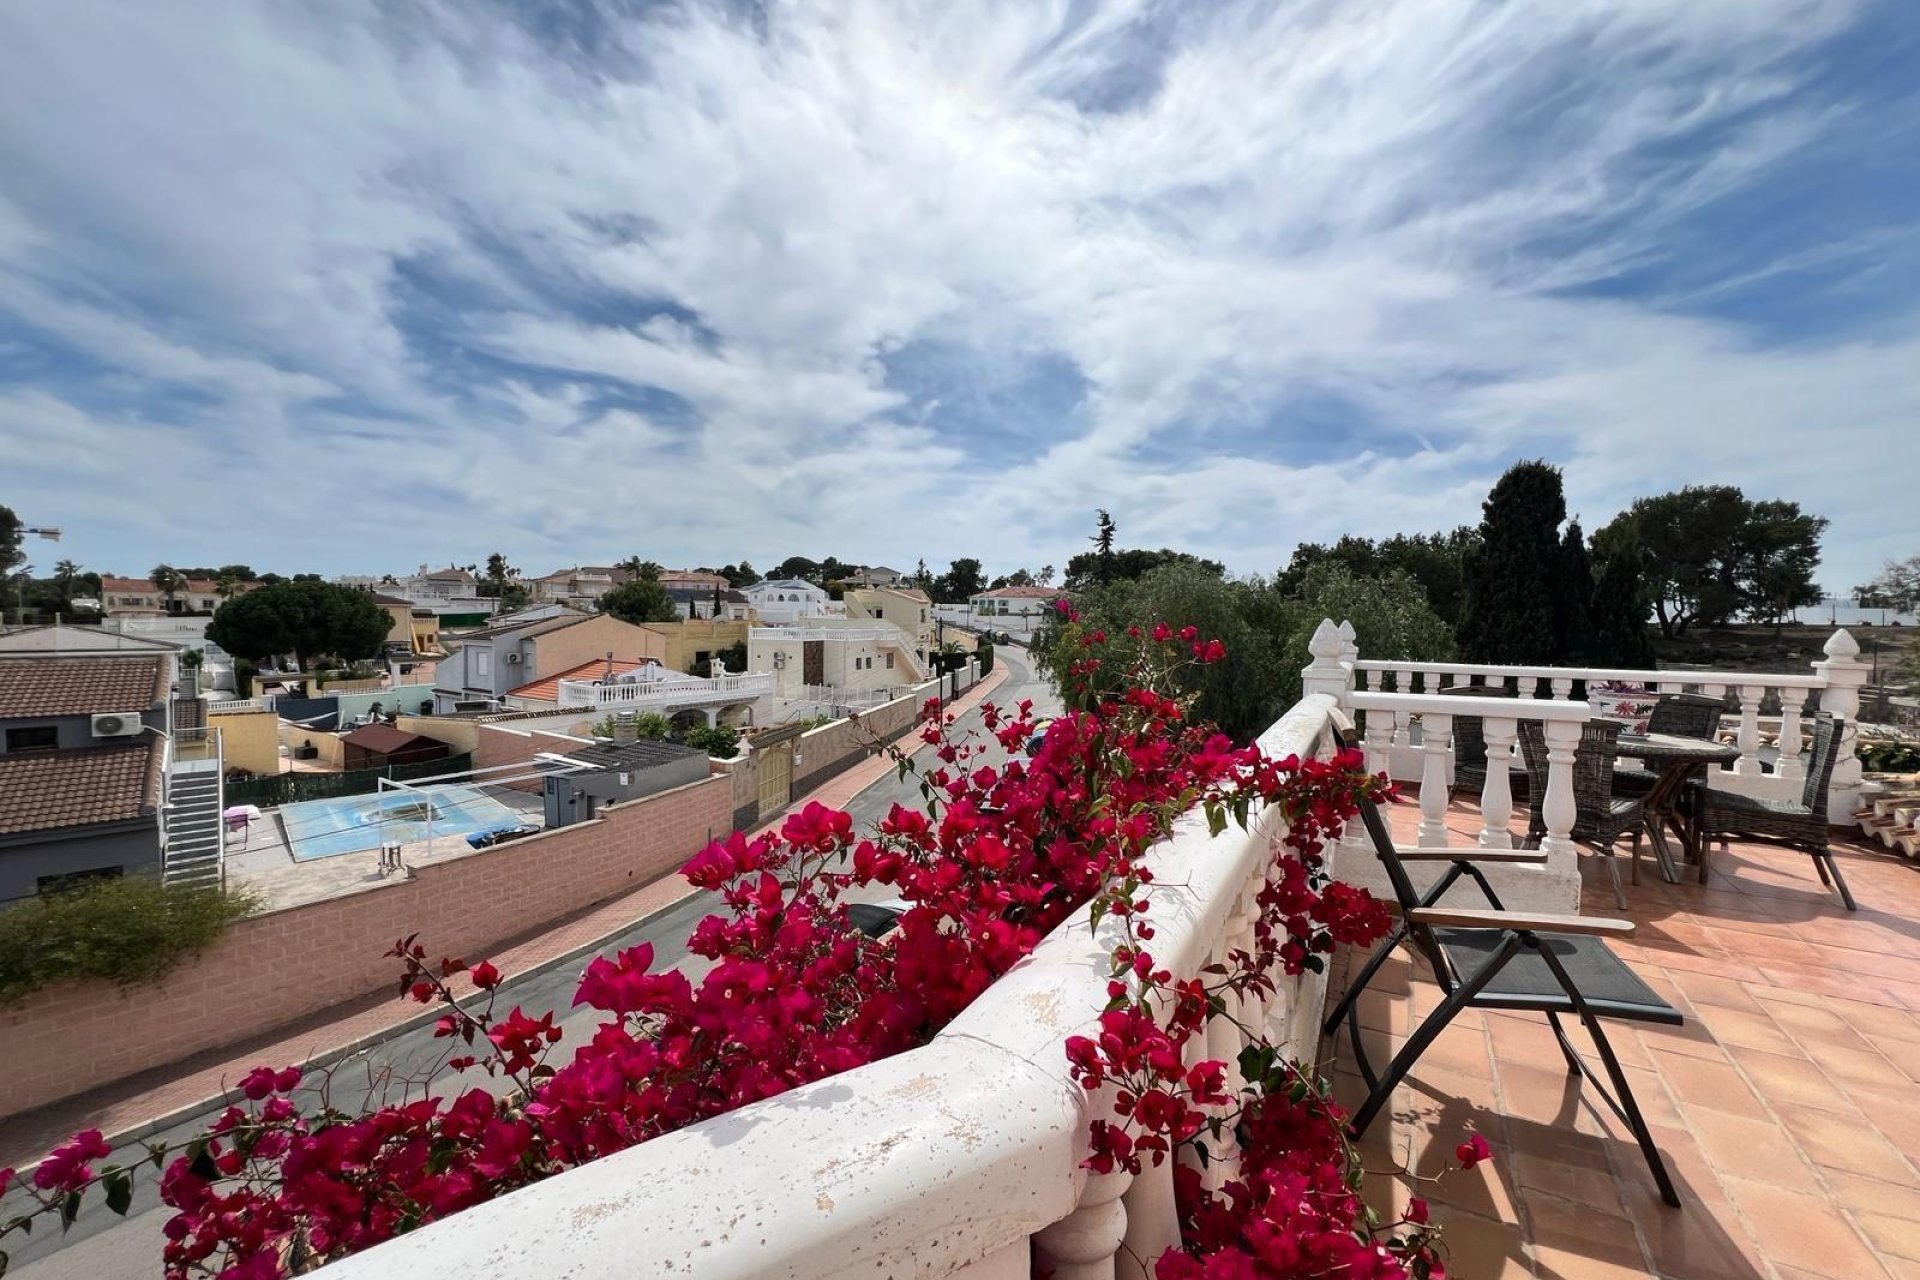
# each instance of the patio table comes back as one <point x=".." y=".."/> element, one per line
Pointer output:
<point x="1675" y="759"/>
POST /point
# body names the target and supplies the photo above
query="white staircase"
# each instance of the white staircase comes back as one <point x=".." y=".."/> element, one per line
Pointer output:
<point x="194" y="826"/>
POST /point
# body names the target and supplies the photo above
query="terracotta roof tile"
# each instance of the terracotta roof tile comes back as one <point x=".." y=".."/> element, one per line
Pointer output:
<point x="1020" y="593"/>
<point x="548" y="690"/>
<point x="79" y="686"/>
<point x="45" y="790"/>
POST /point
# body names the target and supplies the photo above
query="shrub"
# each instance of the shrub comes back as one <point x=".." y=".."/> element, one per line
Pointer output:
<point x="1890" y="757"/>
<point x="985" y="650"/>
<point x="648" y="726"/>
<point x="720" y="742"/>
<point x="124" y="930"/>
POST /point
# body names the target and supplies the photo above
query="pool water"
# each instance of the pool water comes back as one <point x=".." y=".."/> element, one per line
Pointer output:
<point x="348" y="824"/>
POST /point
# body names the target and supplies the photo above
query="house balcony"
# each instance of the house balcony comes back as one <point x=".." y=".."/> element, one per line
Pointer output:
<point x="1786" y="1104"/>
<point x="667" y="694"/>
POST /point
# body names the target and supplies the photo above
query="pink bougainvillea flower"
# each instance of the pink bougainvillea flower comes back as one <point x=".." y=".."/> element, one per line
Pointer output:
<point x="1472" y="1151"/>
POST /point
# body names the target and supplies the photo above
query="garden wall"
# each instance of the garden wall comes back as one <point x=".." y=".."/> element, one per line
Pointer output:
<point x="271" y="970"/>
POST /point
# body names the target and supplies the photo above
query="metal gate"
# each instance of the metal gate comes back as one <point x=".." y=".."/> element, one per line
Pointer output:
<point x="776" y="778"/>
<point x="813" y="662"/>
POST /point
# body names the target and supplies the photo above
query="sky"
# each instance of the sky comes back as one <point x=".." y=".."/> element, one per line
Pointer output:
<point x="346" y="288"/>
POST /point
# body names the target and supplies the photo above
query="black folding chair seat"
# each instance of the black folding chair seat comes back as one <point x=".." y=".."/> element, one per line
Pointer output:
<point x="1608" y="986"/>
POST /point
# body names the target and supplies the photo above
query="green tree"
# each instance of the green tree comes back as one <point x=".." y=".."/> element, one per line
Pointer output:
<point x="1245" y="692"/>
<point x="1437" y="561"/>
<point x="922" y="578"/>
<point x="1712" y="554"/>
<point x="10" y="539"/>
<point x="1618" y="611"/>
<point x="1045" y="576"/>
<point x="1085" y="568"/>
<point x="797" y="567"/>
<point x="962" y="581"/>
<point x="640" y="600"/>
<point x="1572" y="597"/>
<point x="1510" y="598"/>
<point x="1103" y="535"/>
<point x="1389" y="612"/>
<point x="66" y="574"/>
<point x="1897" y="587"/>
<point x="1018" y="578"/>
<point x="226" y="586"/>
<point x="307" y="619"/>
<point x="169" y="582"/>
<point x="739" y="575"/>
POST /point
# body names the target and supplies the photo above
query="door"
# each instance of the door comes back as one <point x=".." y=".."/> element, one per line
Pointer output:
<point x="776" y="778"/>
<point x="813" y="662"/>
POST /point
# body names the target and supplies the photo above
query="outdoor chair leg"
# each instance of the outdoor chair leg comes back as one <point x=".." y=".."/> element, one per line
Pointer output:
<point x="1613" y="871"/>
<point x="1621" y="1100"/>
<point x="1566" y="1046"/>
<point x="1839" y="881"/>
<point x="1424" y="1035"/>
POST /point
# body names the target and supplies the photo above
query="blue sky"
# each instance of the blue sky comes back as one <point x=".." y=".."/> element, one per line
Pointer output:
<point x="351" y="287"/>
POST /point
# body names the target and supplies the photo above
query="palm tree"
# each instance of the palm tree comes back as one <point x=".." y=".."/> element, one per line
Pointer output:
<point x="168" y="581"/>
<point x="227" y="586"/>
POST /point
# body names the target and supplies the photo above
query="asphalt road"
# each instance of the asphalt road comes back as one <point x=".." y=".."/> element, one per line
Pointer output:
<point x="104" y="1246"/>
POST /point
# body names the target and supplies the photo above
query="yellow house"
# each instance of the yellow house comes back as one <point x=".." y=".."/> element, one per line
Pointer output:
<point x="415" y="626"/>
<point x="486" y="665"/>
<point x="905" y="607"/>
<point x="691" y="641"/>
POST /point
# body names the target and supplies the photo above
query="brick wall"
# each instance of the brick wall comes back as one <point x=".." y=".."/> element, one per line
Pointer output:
<point x="271" y="970"/>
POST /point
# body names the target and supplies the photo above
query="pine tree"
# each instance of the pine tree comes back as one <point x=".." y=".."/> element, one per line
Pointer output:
<point x="1511" y="610"/>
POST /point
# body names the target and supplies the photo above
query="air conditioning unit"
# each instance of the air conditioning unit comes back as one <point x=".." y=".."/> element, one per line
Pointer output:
<point x="119" y="724"/>
<point x="513" y="659"/>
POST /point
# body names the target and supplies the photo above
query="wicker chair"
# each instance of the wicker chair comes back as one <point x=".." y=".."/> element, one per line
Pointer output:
<point x="1802" y="826"/>
<point x="1600" y="817"/>
<point x="1470" y="745"/>
<point x="1685" y="715"/>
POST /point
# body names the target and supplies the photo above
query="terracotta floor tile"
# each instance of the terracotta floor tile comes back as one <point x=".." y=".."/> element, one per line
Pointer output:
<point x="1691" y="1038"/>
<point x="1755" y="1150"/>
<point x="1838" y="1142"/>
<point x="1878" y="1020"/>
<point x="1484" y="1249"/>
<point x="1700" y="1082"/>
<point x="1723" y="993"/>
<point x="1571" y="1238"/>
<point x="1650" y="1094"/>
<point x="1792" y="1078"/>
<point x="1698" y="1241"/>
<point x="1752" y="1028"/>
<point x="1800" y="1230"/>
<point x="1895" y="1114"/>
<point x="1888" y="1213"/>
<point x="1859" y="1068"/>
<point x="1581" y="1174"/>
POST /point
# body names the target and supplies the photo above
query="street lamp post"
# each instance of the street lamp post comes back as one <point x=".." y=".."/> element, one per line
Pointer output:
<point x="51" y="534"/>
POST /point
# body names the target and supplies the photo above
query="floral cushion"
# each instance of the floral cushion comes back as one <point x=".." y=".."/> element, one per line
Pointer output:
<point x="1629" y="704"/>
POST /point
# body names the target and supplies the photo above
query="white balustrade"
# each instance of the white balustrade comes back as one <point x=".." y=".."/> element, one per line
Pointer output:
<point x="1496" y="794"/>
<point x="668" y="691"/>
<point x="1436" y="744"/>
<point x="1557" y="809"/>
<point x="1748" y="736"/>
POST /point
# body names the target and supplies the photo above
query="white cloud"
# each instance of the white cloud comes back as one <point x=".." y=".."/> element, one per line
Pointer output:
<point x="400" y="258"/>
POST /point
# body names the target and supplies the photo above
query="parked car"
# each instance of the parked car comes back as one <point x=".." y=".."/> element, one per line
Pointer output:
<point x="876" y="919"/>
<point x="1039" y="736"/>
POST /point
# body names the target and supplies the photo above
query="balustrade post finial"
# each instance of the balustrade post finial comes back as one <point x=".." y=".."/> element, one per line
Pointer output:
<point x="1327" y="673"/>
<point x="1349" y="643"/>
<point x="1842" y="674"/>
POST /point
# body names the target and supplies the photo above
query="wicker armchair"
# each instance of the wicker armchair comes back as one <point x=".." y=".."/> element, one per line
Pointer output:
<point x="1802" y="826"/>
<point x="1470" y="746"/>
<point x="1600" y="817"/>
<point x="1685" y="715"/>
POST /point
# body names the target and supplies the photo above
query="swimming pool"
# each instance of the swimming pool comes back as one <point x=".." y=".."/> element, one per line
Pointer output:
<point x="347" y="824"/>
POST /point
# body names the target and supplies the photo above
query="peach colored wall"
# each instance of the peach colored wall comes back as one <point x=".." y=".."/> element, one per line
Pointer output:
<point x="506" y="744"/>
<point x="271" y="970"/>
<point x="249" y="740"/>
<point x="333" y="753"/>
<point x="568" y="647"/>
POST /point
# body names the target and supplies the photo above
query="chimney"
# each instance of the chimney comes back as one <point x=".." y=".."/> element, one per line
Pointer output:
<point x="624" y="729"/>
<point x="608" y="678"/>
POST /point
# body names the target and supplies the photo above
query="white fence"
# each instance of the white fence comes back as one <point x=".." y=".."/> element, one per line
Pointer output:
<point x="952" y="1159"/>
<point x="672" y="691"/>
<point x="1769" y="727"/>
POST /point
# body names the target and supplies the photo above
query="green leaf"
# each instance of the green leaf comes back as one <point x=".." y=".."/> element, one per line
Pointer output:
<point x="69" y="1209"/>
<point x="1256" y="1060"/>
<point x="1098" y="911"/>
<point x="1200" y="1150"/>
<point x="3" y="1262"/>
<point x="119" y="1189"/>
<point x="157" y="1152"/>
<point x="1216" y="820"/>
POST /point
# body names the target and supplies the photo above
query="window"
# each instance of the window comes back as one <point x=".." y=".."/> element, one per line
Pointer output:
<point x="483" y="662"/>
<point x="889" y="662"/>
<point x="879" y="613"/>
<point x="38" y="737"/>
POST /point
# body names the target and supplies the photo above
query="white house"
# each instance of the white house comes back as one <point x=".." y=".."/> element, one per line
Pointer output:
<point x="723" y="603"/>
<point x="833" y="654"/>
<point x="783" y="600"/>
<point x="1015" y="602"/>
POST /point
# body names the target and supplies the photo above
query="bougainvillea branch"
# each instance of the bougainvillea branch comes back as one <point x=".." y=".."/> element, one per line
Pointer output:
<point x="1007" y="846"/>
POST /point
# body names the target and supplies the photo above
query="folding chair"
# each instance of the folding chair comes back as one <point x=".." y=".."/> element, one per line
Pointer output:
<point x="1505" y="960"/>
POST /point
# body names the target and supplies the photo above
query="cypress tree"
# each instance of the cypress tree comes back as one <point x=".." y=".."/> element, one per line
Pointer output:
<point x="1619" y="611"/>
<point x="1573" y="589"/>
<point x="1511" y="594"/>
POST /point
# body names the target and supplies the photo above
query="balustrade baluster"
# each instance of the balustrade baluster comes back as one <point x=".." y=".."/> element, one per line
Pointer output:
<point x="1153" y="1222"/>
<point x="1748" y="737"/>
<point x="1791" y="702"/>
<point x="1403" y="728"/>
<point x="1557" y="810"/>
<point x="1562" y="686"/>
<point x="1496" y="794"/>
<point x="1436" y="734"/>
<point x="1379" y="741"/>
<point x="1082" y="1245"/>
